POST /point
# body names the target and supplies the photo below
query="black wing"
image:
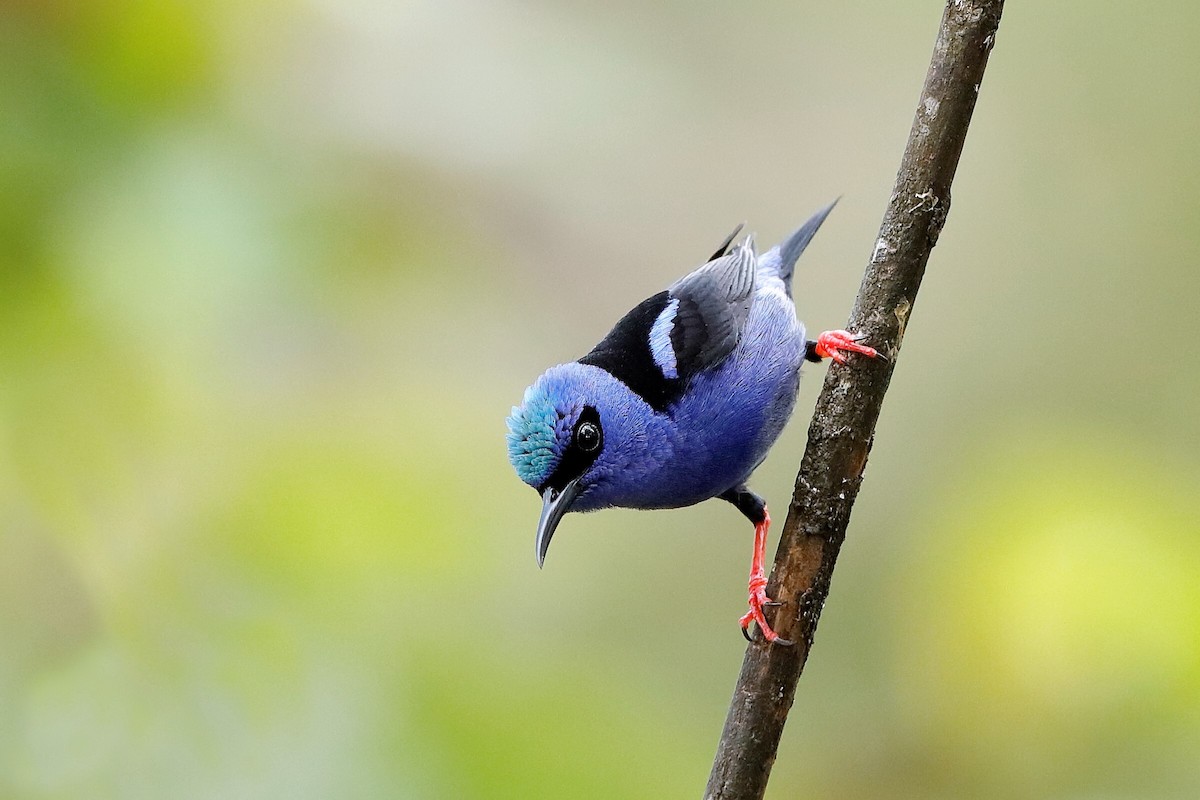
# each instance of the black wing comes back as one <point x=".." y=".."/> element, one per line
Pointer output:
<point x="713" y="305"/>
<point x="724" y="248"/>
<point x="626" y="355"/>
<point x="659" y="345"/>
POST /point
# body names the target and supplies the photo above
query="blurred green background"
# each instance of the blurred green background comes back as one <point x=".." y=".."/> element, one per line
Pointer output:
<point x="272" y="274"/>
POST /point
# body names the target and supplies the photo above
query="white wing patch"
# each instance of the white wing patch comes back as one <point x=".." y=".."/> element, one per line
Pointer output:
<point x="660" y="340"/>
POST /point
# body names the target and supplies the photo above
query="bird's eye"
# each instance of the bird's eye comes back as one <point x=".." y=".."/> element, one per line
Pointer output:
<point x="588" y="437"/>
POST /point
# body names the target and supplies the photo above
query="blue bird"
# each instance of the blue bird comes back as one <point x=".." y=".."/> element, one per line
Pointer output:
<point x="681" y="400"/>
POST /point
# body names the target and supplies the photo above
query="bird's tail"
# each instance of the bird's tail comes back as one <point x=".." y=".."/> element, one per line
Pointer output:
<point x="781" y="259"/>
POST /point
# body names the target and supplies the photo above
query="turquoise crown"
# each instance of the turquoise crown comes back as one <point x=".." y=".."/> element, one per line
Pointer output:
<point x="534" y="431"/>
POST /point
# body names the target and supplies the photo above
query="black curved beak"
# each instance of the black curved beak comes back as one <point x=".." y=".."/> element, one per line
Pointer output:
<point x="555" y="503"/>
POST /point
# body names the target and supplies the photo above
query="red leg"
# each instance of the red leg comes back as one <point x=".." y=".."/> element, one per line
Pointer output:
<point x="830" y="343"/>
<point x="758" y="585"/>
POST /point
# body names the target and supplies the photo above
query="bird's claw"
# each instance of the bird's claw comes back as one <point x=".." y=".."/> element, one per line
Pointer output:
<point x="758" y="600"/>
<point x="830" y="344"/>
<point x="774" y="638"/>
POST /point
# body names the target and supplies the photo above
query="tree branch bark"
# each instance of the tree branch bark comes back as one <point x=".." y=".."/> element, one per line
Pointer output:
<point x="843" y="425"/>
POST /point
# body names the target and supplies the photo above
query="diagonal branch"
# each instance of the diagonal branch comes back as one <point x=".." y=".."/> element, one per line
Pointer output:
<point x="843" y="425"/>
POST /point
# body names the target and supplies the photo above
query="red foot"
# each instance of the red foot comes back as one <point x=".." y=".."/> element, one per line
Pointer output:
<point x="758" y="586"/>
<point x="830" y="343"/>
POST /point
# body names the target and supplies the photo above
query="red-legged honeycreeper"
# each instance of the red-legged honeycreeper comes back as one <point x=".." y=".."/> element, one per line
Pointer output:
<point x="681" y="400"/>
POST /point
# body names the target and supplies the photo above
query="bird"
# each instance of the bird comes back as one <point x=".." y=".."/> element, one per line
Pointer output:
<point x="681" y="401"/>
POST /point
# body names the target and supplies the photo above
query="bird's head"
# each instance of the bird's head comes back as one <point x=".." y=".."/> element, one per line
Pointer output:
<point x="556" y="438"/>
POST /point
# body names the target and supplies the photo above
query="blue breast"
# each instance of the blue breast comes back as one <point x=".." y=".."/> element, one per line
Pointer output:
<point x="722" y="426"/>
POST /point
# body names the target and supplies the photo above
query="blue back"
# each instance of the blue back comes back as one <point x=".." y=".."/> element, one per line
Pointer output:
<point x="721" y="428"/>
